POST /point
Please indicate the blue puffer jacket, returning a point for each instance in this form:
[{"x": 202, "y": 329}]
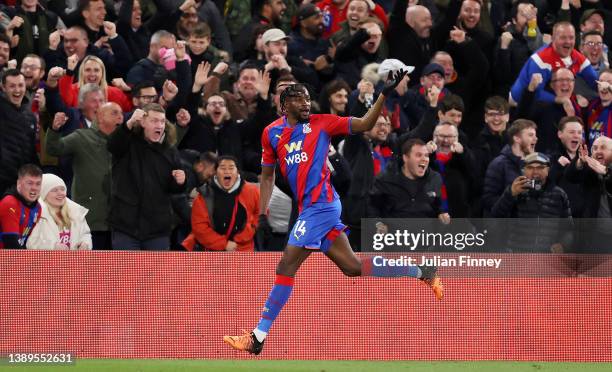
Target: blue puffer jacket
[{"x": 502, "y": 171}]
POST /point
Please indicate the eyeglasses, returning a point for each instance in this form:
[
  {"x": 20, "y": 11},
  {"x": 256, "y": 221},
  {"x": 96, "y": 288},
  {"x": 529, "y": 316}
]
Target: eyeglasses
[
  {"x": 562, "y": 81},
  {"x": 598, "y": 44},
  {"x": 216, "y": 103}
]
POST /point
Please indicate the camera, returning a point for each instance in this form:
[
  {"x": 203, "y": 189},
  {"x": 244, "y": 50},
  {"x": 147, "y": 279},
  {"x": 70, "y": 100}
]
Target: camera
[{"x": 535, "y": 184}]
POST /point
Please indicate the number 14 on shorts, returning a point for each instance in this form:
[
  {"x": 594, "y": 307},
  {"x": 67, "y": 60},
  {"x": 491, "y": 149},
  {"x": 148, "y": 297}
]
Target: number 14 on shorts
[{"x": 299, "y": 229}]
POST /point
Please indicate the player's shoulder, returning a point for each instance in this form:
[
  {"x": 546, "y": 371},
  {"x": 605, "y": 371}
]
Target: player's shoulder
[
  {"x": 324, "y": 120},
  {"x": 9, "y": 205},
  {"x": 275, "y": 125},
  {"x": 9, "y": 201},
  {"x": 317, "y": 118}
]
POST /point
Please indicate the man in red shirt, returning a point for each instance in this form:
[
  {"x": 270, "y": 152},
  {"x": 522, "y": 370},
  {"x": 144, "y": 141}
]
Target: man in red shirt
[
  {"x": 335, "y": 12},
  {"x": 19, "y": 209}
]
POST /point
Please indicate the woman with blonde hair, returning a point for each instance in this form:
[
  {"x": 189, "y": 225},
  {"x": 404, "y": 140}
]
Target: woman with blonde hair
[
  {"x": 91, "y": 71},
  {"x": 62, "y": 223}
]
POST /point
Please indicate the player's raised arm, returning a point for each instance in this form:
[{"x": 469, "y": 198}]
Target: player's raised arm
[{"x": 367, "y": 121}]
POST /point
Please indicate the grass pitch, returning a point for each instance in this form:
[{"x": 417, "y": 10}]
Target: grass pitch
[{"x": 188, "y": 365}]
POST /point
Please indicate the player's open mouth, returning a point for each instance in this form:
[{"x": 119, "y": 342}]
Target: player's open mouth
[
  {"x": 33, "y": 195},
  {"x": 599, "y": 157},
  {"x": 574, "y": 143},
  {"x": 423, "y": 166}
]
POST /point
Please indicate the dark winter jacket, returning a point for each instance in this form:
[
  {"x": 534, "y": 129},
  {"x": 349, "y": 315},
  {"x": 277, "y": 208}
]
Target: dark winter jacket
[
  {"x": 540, "y": 218},
  {"x": 593, "y": 185},
  {"x": 204, "y": 136},
  {"x": 17, "y": 140},
  {"x": 396, "y": 196},
  {"x": 575, "y": 191},
  {"x": 502, "y": 171},
  {"x": 142, "y": 182}
]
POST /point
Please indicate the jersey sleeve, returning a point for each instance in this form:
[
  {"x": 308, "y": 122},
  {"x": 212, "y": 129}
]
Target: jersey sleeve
[
  {"x": 9, "y": 220},
  {"x": 337, "y": 125},
  {"x": 268, "y": 156}
]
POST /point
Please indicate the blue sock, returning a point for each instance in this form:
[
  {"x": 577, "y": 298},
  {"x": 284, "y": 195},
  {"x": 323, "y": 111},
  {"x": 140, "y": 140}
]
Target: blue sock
[
  {"x": 276, "y": 300},
  {"x": 368, "y": 268}
]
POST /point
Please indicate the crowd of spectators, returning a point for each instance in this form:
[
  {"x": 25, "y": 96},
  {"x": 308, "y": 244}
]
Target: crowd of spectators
[{"x": 136, "y": 124}]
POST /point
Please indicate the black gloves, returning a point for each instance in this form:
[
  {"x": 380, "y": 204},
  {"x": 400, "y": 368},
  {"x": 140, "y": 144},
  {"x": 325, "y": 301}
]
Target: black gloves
[{"x": 393, "y": 81}]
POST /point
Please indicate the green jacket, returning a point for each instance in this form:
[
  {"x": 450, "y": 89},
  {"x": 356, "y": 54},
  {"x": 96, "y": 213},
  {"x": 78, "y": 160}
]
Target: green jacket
[{"x": 92, "y": 170}]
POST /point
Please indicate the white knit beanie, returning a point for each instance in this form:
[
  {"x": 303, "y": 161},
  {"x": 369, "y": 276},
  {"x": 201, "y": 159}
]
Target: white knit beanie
[{"x": 50, "y": 181}]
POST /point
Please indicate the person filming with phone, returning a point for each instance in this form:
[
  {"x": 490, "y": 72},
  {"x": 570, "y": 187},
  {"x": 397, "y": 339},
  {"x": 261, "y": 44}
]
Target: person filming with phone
[{"x": 542, "y": 210}]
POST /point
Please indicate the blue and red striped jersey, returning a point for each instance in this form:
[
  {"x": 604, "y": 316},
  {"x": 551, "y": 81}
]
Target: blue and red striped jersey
[{"x": 301, "y": 151}]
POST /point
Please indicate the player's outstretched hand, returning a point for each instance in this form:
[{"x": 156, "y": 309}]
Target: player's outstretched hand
[{"x": 393, "y": 81}]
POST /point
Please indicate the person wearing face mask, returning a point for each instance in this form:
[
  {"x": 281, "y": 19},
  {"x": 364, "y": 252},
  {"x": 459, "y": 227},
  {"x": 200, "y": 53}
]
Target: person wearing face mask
[
  {"x": 224, "y": 214},
  {"x": 140, "y": 209},
  {"x": 541, "y": 209},
  {"x": 62, "y": 222}
]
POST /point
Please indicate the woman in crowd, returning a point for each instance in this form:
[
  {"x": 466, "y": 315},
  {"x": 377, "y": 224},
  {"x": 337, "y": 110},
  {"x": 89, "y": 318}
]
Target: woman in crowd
[
  {"x": 92, "y": 70},
  {"x": 62, "y": 223}
]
